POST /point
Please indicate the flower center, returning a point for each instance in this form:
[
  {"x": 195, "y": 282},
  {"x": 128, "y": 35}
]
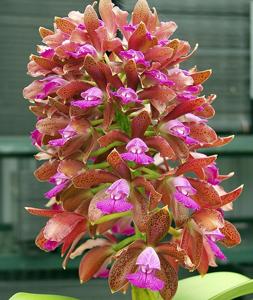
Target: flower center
[
  {"x": 117, "y": 196},
  {"x": 183, "y": 191},
  {"x": 89, "y": 98},
  {"x": 136, "y": 150},
  {"x": 179, "y": 130},
  {"x": 146, "y": 269}
]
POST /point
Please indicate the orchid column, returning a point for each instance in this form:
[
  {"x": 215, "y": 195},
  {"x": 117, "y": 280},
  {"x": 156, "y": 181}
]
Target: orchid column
[{"x": 119, "y": 126}]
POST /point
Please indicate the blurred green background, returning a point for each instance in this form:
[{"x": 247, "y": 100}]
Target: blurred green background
[{"x": 223, "y": 30}]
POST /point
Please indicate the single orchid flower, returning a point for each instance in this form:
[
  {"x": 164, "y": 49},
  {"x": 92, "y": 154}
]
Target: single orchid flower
[
  {"x": 178, "y": 129},
  {"x": 137, "y": 56},
  {"x": 212, "y": 173},
  {"x": 36, "y": 137},
  {"x": 145, "y": 277},
  {"x": 136, "y": 149},
  {"x": 41, "y": 89},
  {"x": 127, "y": 95},
  {"x": 91, "y": 97},
  {"x": 62, "y": 228},
  {"x": 67, "y": 133},
  {"x": 117, "y": 200},
  {"x": 61, "y": 181},
  {"x": 183, "y": 192},
  {"x": 47, "y": 52},
  {"x": 159, "y": 77},
  {"x": 50, "y": 85},
  {"x": 212, "y": 237},
  {"x": 82, "y": 51}
]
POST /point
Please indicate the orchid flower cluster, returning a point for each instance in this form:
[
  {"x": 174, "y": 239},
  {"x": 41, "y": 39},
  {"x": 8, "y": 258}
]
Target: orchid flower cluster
[{"x": 119, "y": 125}]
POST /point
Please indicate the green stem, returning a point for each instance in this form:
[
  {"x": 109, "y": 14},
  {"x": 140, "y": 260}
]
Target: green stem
[
  {"x": 105, "y": 149},
  {"x": 149, "y": 133},
  {"x": 99, "y": 188},
  {"x": 96, "y": 122},
  {"x": 173, "y": 231},
  {"x": 125, "y": 242},
  {"x": 102, "y": 165},
  {"x": 110, "y": 217},
  {"x": 150, "y": 172}
]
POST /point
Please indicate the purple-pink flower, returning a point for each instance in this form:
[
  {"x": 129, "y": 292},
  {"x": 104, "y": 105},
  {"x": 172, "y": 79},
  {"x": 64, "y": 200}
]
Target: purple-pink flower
[
  {"x": 148, "y": 264},
  {"x": 36, "y": 137},
  {"x": 91, "y": 97},
  {"x": 137, "y": 56},
  {"x": 190, "y": 93},
  {"x": 50, "y": 85},
  {"x": 178, "y": 129},
  {"x": 212, "y": 173},
  {"x": 67, "y": 133},
  {"x": 82, "y": 51},
  {"x": 183, "y": 192},
  {"x": 117, "y": 201},
  {"x": 159, "y": 77},
  {"x": 47, "y": 52},
  {"x": 61, "y": 181},
  {"x": 212, "y": 237},
  {"x": 136, "y": 149},
  {"x": 126, "y": 95}
]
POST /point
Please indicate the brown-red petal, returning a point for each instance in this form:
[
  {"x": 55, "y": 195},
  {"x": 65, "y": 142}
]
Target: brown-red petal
[
  {"x": 206, "y": 194},
  {"x": 64, "y": 25},
  {"x": 157, "y": 226},
  {"x": 140, "y": 209},
  {"x": 124, "y": 265},
  {"x": 48, "y": 213},
  {"x": 140, "y": 124},
  {"x": 131, "y": 74},
  {"x": 112, "y": 136},
  {"x": 202, "y": 133},
  {"x": 161, "y": 145},
  {"x": 200, "y": 77},
  {"x": 51, "y": 126},
  {"x": 169, "y": 277},
  {"x": 231, "y": 196},
  {"x": 184, "y": 108},
  {"x": 72, "y": 88},
  {"x": 93, "y": 69},
  {"x": 155, "y": 196},
  {"x": 232, "y": 236},
  {"x": 92, "y": 178},
  {"x": 92, "y": 262},
  {"x": 195, "y": 164},
  {"x": 119, "y": 165},
  {"x": 46, "y": 170},
  {"x": 141, "y": 12}
]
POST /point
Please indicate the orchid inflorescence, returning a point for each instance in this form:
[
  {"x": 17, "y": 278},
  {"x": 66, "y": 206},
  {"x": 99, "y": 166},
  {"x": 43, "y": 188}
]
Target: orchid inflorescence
[{"x": 119, "y": 124}]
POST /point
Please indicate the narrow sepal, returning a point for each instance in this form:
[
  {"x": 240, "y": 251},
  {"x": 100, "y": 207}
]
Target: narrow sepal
[{"x": 158, "y": 225}]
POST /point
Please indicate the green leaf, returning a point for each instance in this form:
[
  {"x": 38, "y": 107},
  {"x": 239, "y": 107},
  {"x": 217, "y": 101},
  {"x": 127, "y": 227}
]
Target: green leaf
[
  {"x": 138, "y": 294},
  {"x": 214, "y": 286},
  {"x": 112, "y": 217},
  {"x": 28, "y": 296},
  {"x": 123, "y": 121}
]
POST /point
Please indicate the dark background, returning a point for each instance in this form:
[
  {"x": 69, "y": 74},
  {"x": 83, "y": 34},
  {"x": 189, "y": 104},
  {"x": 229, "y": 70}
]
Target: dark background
[{"x": 221, "y": 27}]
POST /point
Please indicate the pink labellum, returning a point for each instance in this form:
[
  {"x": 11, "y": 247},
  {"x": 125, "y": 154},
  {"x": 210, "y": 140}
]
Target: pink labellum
[
  {"x": 91, "y": 97},
  {"x": 136, "y": 149},
  {"x": 148, "y": 262}
]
